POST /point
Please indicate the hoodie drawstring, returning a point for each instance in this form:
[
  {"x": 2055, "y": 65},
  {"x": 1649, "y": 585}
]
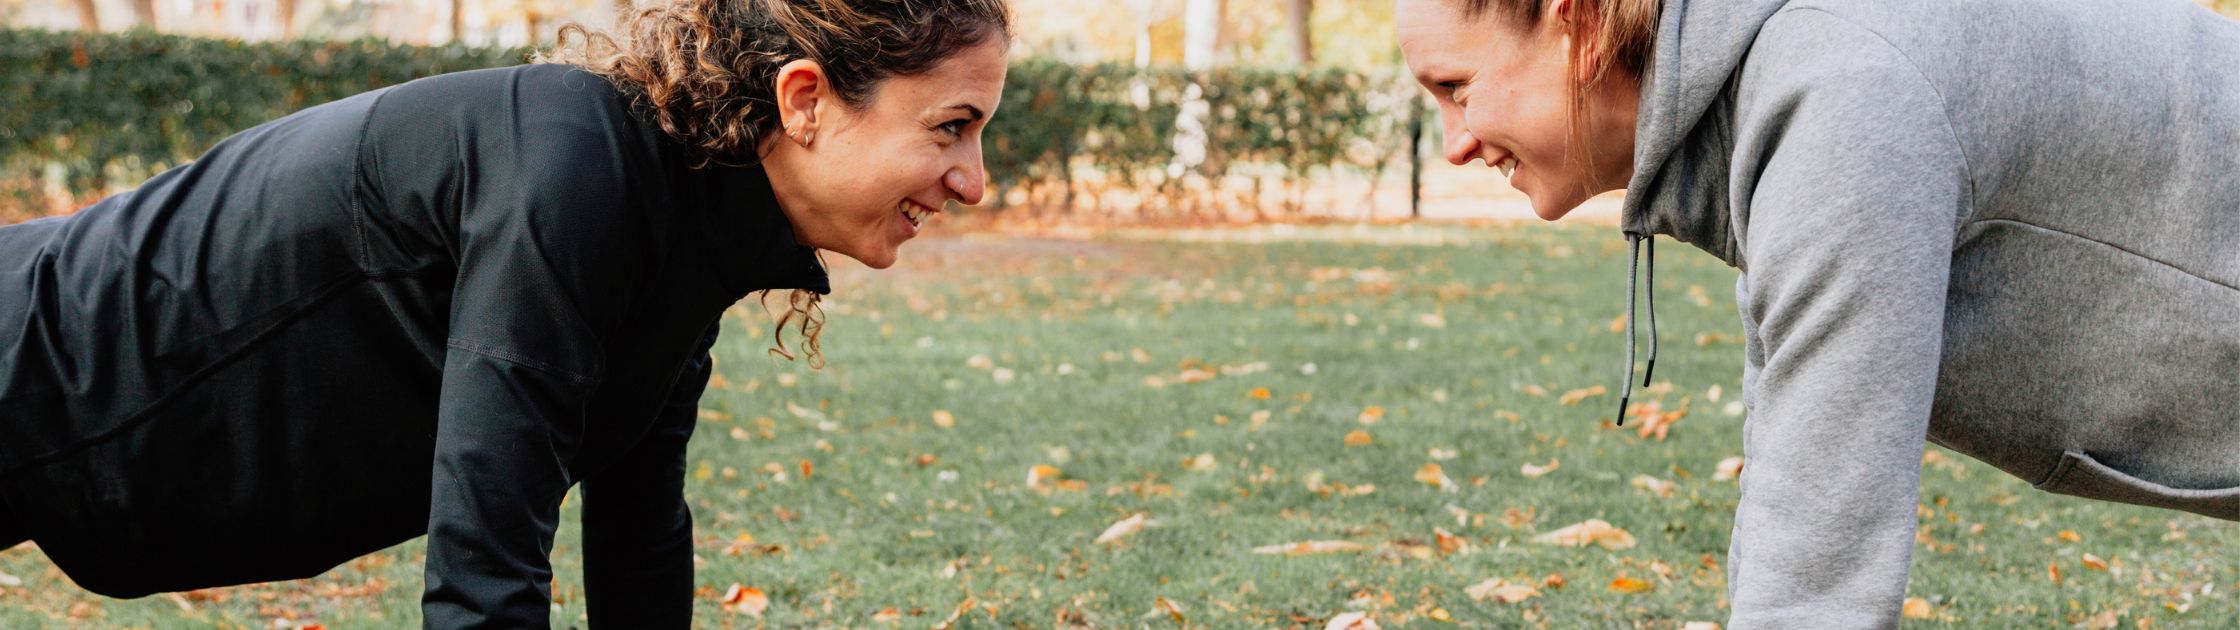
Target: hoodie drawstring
[{"x": 1625, "y": 396}]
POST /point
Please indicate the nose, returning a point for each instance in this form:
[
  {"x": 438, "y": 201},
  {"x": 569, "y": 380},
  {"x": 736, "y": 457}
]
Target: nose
[
  {"x": 1460, "y": 145},
  {"x": 967, "y": 182}
]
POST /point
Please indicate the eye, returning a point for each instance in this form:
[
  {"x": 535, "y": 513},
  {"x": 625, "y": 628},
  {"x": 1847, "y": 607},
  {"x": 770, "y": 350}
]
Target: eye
[{"x": 954, "y": 128}]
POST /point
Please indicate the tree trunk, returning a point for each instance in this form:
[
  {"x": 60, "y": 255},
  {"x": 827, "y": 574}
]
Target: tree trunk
[
  {"x": 1302, "y": 32},
  {"x": 88, "y": 19},
  {"x": 458, "y": 21},
  {"x": 143, "y": 13},
  {"x": 287, "y": 14},
  {"x": 1201, "y": 33}
]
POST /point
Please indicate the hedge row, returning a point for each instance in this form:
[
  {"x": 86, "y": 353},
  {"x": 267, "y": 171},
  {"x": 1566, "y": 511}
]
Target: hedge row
[{"x": 84, "y": 114}]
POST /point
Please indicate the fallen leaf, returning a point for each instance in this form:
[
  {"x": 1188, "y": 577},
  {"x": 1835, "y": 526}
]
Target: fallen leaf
[
  {"x": 1194, "y": 375},
  {"x": 1371, "y": 415},
  {"x": 2103, "y": 621},
  {"x": 1655, "y": 421},
  {"x": 746, "y": 599},
  {"x": 1352, "y": 621},
  {"x": 1918, "y": 608},
  {"x": 1574, "y": 396},
  {"x": 2070, "y": 535},
  {"x": 1310, "y": 547},
  {"x": 1357, "y": 438},
  {"x": 2053, "y": 571},
  {"x": 1591, "y": 532},
  {"x": 2095, "y": 563},
  {"x": 1202, "y": 462},
  {"x": 1172, "y": 610},
  {"x": 1432, "y": 320},
  {"x": 1500, "y": 590},
  {"x": 1258, "y": 393},
  {"x": 1653, "y": 485},
  {"x": 963, "y": 607},
  {"x": 1729, "y": 469},
  {"x": 1040, "y": 475},
  {"x": 1122, "y": 529},
  {"x": 1432, "y": 475},
  {"x": 1700, "y": 625},
  {"x": 1534, "y": 471},
  {"x": 887, "y": 615},
  {"x": 980, "y": 362},
  {"x": 944, "y": 419},
  {"x": 1449, "y": 543},
  {"x": 1631, "y": 586}
]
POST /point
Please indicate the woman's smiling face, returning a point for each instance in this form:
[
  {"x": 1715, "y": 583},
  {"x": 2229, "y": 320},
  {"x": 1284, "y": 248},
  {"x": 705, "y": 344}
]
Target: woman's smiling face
[
  {"x": 862, "y": 180},
  {"x": 1504, "y": 94}
]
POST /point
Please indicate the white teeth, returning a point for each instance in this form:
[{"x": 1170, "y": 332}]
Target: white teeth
[
  {"x": 1508, "y": 166},
  {"x": 911, "y": 212}
]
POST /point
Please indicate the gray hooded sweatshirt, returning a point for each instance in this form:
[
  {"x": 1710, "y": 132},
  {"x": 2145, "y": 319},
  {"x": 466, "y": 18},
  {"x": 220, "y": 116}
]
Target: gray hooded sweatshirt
[{"x": 2010, "y": 227}]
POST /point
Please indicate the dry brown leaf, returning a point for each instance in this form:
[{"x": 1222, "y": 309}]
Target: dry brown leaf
[
  {"x": 1202, "y": 462},
  {"x": 1591, "y": 532},
  {"x": 2053, "y": 571},
  {"x": 942, "y": 418},
  {"x": 2103, "y": 621},
  {"x": 1631, "y": 586},
  {"x": 1918, "y": 608},
  {"x": 1310, "y": 547},
  {"x": 1655, "y": 421},
  {"x": 1500, "y": 590},
  {"x": 1729, "y": 469},
  {"x": 963, "y": 607},
  {"x": 1534, "y": 471},
  {"x": 1121, "y": 529},
  {"x": 1171, "y": 609},
  {"x": 2070, "y": 535},
  {"x": 1357, "y": 438},
  {"x": 1653, "y": 485},
  {"x": 1700, "y": 625},
  {"x": 1574, "y": 396},
  {"x": 1194, "y": 375},
  {"x": 1259, "y": 393},
  {"x": 1040, "y": 475},
  {"x": 1352, "y": 621},
  {"x": 887, "y": 615},
  {"x": 1449, "y": 543},
  {"x": 1371, "y": 415}
]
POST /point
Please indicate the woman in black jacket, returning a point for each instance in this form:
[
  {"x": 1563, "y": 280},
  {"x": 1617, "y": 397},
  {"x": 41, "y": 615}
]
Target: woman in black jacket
[{"x": 431, "y": 309}]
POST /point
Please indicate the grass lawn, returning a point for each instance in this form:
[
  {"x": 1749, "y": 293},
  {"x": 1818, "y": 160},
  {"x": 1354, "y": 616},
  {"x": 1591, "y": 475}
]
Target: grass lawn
[{"x": 1252, "y": 388}]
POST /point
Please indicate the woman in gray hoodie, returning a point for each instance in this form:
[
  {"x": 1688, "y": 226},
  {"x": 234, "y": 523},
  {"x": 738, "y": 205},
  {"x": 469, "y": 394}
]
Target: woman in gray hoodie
[{"x": 2011, "y": 227}]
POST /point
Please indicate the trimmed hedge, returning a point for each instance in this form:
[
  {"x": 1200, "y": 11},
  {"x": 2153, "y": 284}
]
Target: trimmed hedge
[{"x": 90, "y": 113}]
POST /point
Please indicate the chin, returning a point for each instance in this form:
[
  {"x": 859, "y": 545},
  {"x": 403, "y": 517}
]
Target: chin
[
  {"x": 1553, "y": 209},
  {"x": 881, "y": 258}
]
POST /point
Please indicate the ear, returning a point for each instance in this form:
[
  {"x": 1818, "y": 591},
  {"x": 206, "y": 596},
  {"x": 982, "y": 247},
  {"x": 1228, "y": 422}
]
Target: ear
[
  {"x": 800, "y": 91},
  {"x": 1570, "y": 23}
]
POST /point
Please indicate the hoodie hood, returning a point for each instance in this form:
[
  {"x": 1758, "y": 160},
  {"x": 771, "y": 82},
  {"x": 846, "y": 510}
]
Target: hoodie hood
[{"x": 1682, "y": 141}]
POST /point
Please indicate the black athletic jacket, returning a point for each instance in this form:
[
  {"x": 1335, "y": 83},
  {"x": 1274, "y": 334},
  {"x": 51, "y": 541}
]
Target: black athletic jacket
[{"x": 429, "y": 309}]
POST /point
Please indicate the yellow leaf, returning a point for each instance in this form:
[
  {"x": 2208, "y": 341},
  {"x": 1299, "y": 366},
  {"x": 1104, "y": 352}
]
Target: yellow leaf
[
  {"x": 1574, "y": 396},
  {"x": 1700, "y": 625},
  {"x": 1918, "y": 608},
  {"x": 942, "y": 418},
  {"x": 1122, "y": 529},
  {"x": 2070, "y": 535},
  {"x": 1432, "y": 475},
  {"x": 1259, "y": 393},
  {"x": 1534, "y": 471},
  {"x": 746, "y": 599},
  {"x": 1357, "y": 438},
  {"x": 1372, "y": 414},
  {"x": 1631, "y": 586},
  {"x": 1310, "y": 547},
  {"x": 1500, "y": 590},
  {"x": 1440, "y": 614},
  {"x": 1591, "y": 532},
  {"x": 887, "y": 615},
  {"x": 1202, "y": 462}
]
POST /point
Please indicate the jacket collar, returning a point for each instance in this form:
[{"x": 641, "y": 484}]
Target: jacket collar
[{"x": 750, "y": 238}]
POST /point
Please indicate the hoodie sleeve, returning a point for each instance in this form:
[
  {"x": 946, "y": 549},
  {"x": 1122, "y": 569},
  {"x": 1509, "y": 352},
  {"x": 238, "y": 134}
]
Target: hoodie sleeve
[
  {"x": 550, "y": 253},
  {"x": 1847, "y": 251},
  {"x": 637, "y": 529}
]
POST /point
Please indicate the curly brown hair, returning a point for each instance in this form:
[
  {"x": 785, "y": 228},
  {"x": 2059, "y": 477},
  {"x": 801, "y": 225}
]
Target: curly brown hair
[{"x": 705, "y": 71}]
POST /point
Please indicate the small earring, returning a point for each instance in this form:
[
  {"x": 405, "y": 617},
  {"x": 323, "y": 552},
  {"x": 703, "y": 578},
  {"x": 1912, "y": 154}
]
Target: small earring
[{"x": 808, "y": 138}]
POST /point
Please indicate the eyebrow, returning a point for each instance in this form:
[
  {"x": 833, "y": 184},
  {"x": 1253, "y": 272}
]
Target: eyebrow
[{"x": 974, "y": 112}]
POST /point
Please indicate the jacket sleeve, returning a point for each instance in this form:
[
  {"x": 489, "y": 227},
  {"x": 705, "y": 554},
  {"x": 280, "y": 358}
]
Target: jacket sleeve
[
  {"x": 1847, "y": 253},
  {"x": 637, "y": 529},
  {"x": 550, "y": 254}
]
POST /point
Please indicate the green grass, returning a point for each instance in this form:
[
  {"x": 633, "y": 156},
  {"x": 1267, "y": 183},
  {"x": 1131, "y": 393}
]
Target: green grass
[{"x": 1083, "y": 326}]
